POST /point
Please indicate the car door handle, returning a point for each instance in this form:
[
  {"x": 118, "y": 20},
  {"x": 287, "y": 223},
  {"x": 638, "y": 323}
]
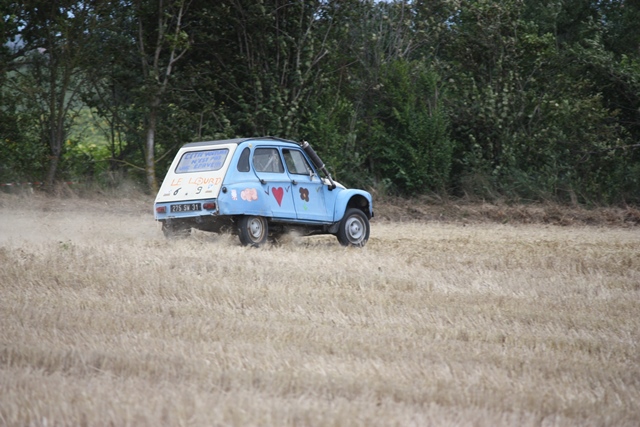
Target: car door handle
[{"x": 294, "y": 182}]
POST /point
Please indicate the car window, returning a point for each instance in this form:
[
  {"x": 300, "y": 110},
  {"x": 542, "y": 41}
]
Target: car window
[
  {"x": 202, "y": 161},
  {"x": 267, "y": 160},
  {"x": 296, "y": 163},
  {"x": 243, "y": 161}
]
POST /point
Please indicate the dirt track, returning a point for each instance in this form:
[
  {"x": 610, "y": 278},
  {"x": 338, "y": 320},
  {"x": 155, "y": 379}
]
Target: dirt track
[{"x": 474, "y": 212}]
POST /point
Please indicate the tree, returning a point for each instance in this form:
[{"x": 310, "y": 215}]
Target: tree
[
  {"x": 535, "y": 98},
  {"x": 265, "y": 66},
  {"x": 162, "y": 41},
  {"x": 378, "y": 117},
  {"x": 48, "y": 59},
  {"x": 416, "y": 152}
]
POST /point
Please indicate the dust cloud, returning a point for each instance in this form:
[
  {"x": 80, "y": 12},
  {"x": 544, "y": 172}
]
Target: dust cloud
[{"x": 41, "y": 219}]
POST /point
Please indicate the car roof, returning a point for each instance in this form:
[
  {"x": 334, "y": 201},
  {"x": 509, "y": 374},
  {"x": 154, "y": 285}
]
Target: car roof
[{"x": 237, "y": 141}]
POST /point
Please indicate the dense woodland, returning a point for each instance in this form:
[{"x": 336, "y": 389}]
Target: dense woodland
[{"x": 517, "y": 99}]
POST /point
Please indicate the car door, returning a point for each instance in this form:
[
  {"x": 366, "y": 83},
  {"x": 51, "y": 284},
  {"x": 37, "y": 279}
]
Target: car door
[
  {"x": 307, "y": 187},
  {"x": 276, "y": 183}
]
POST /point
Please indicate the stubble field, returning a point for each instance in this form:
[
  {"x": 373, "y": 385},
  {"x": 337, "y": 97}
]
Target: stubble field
[{"x": 103, "y": 322}]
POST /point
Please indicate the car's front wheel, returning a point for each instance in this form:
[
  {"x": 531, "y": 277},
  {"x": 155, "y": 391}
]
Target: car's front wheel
[
  {"x": 354, "y": 228},
  {"x": 253, "y": 230}
]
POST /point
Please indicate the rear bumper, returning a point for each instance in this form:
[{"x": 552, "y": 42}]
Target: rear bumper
[{"x": 185, "y": 209}]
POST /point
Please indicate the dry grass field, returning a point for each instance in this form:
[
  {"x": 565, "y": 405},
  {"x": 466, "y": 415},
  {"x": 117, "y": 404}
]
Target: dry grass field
[{"x": 462, "y": 323}]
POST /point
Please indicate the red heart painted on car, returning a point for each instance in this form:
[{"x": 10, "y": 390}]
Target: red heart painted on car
[{"x": 278, "y": 193}]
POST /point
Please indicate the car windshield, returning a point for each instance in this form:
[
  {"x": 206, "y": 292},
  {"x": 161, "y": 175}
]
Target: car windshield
[{"x": 202, "y": 161}]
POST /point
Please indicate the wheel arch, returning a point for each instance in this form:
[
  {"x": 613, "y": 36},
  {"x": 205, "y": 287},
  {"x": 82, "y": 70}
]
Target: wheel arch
[{"x": 356, "y": 199}]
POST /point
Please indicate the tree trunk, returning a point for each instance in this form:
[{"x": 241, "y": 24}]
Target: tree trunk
[
  {"x": 158, "y": 75},
  {"x": 56, "y": 138},
  {"x": 150, "y": 164},
  {"x": 54, "y": 159}
]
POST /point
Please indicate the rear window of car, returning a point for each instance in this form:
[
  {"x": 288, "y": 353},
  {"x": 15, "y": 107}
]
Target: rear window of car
[{"x": 202, "y": 161}]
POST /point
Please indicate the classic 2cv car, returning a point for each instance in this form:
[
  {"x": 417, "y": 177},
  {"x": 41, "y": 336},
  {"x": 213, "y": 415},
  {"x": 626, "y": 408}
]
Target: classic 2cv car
[{"x": 259, "y": 188}]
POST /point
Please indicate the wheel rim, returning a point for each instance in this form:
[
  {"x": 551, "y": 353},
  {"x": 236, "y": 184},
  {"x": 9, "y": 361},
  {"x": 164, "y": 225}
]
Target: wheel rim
[
  {"x": 355, "y": 229},
  {"x": 256, "y": 229}
]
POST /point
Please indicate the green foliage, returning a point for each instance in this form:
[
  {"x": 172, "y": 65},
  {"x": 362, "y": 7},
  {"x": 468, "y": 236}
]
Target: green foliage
[
  {"x": 532, "y": 121},
  {"x": 85, "y": 162},
  {"x": 22, "y": 155},
  {"x": 21, "y": 160},
  {"x": 411, "y": 145},
  {"x": 263, "y": 71},
  {"x": 330, "y": 128},
  {"x": 513, "y": 99}
]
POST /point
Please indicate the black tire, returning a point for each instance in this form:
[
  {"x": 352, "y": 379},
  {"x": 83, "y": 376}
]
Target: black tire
[
  {"x": 253, "y": 230},
  {"x": 354, "y": 228},
  {"x": 175, "y": 231}
]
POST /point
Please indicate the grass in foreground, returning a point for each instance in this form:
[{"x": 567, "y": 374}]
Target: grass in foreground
[{"x": 102, "y": 322}]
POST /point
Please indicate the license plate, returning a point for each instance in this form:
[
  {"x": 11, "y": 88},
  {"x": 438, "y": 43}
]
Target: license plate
[{"x": 188, "y": 207}]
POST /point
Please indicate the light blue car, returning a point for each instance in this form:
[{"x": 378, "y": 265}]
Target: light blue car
[{"x": 259, "y": 188}]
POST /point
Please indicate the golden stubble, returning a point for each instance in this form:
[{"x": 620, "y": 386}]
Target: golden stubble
[{"x": 103, "y": 322}]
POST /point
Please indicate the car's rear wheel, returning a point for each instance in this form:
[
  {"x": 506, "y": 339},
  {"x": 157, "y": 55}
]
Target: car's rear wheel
[
  {"x": 354, "y": 228},
  {"x": 253, "y": 230}
]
